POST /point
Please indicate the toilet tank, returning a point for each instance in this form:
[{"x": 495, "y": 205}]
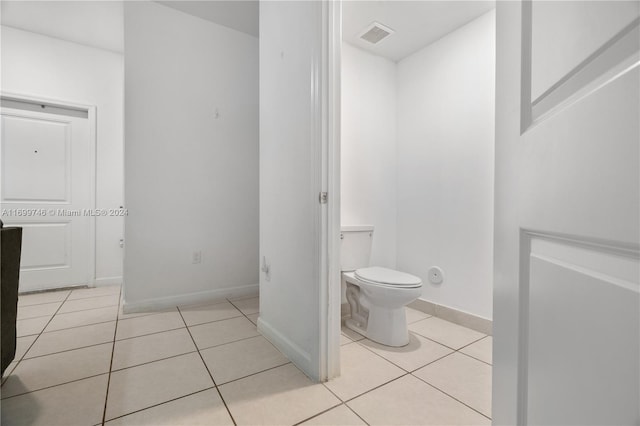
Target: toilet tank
[{"x": 355, "y": 247}]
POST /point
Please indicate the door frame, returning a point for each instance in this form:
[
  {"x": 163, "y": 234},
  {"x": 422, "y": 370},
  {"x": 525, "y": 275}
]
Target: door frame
[
  {"x": 330, "y": 290},
  {"x": 93, "y": 140}
]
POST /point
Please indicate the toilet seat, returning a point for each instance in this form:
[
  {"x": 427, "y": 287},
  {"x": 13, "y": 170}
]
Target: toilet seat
[{"x": 387, "y": 277}]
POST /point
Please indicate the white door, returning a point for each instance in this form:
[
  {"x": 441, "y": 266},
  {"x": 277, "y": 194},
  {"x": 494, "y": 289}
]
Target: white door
[
  {"x": 46, "y": 189},
  {"x": 566, "y": 297},
  {"x": 299, "y": 312}
]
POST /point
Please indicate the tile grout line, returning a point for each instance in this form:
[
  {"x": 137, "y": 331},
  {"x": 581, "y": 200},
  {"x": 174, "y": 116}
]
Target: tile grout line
[
  {"x": 471, "y": 356},
  {"x": 125, "y": 368},
  {"x": 143, "y": 314},
  {"x": 209, "y": 322},
  {"x": 113, "y": 349},
  {"x": 446, "y": 346},
  {"x": 380, "y": 356},
  {"x": 451, "y": 396},
  {"x": 54, "y": 386},
  {"x": 191, "y": 352},
  {"x": 411, "y": 373},
  {"x": 376, "y": 387},
  {"x": 216, "y": 386},
  {"x": 88, "y": 309},
  {"x": 151, "y": 362},
  {"x": 77, "y": 326},
  {"x": 162, "y": 403},
  {"x": 99, "y": 374},
  {"x": 243, "y": 314},
  {"x": 354, "y": 412},
  {"x": 170, "y": 329},
  {"x": 66, "y": 350},
  {"x": 227, "y": 343},
  {"x": 37, "y": 336},
  {"x": 149, "y": 334},
  {"x": 147, "y": 362},
  {"x": 318, "y": 414},
  {"x": 477, "y": 359},
  {"x": 424, "y": 381},
  {"x": 207, "y": 368},
  {"x": 56, "y": 290},
  {"x": 38, "y": 316},
  {"x": 343, "y": 403},
  {"x": 93, "y": 297},
  {"x": 259, "y": 335},
  {"x": 43, "y": 292},
  {"x": 258, "y": 372},
  {"x": 429, "y": 363},
  {"x": 402, "y": 368},
  {"x": 471, "y": 343}
]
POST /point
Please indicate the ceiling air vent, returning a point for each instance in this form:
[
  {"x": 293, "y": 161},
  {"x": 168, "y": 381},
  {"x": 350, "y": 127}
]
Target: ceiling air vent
[{"x": 375, "y": 33}]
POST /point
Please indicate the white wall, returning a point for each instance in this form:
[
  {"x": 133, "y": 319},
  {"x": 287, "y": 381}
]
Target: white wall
[
  {"x": 97, "y": 23},
  {"x": 368, "y": 149},
  {"x": 445, "y": 165},
  {"x": 191, "y": 178},
  {"x": 41, "y": 66}
]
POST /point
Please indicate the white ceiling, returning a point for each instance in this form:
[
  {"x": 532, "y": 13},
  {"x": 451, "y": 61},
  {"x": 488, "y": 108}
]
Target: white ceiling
[
  {"x": 416, "y": 23},
  {"x": 241, "y": 15},
  {"x": 101, "y": 23},
  {"x": 93, "y": 23}
]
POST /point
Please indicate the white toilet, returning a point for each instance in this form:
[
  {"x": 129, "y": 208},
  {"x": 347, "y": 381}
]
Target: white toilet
[{"x": 377, "y": 296}]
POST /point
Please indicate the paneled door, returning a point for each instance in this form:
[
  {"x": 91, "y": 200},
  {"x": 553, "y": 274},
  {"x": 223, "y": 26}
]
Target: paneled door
[
  {"x": 47, "y": 190},
  {"x": 566, "y": 296}
]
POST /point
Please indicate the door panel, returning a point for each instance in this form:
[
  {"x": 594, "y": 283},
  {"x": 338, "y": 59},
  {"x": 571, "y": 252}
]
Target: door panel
[
  {"x": 558, "y": 44},
  {"x": 567, "y": 246},
  {"x": 574, "y": 356},
  {"x": 36, "y": 144},
  {"x": 46, "y": 245},
  {"x": 46, "y": 189}
]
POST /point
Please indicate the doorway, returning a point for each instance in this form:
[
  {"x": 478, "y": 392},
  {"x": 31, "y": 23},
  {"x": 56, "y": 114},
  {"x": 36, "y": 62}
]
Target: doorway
[{"x": 418, "y": 187}]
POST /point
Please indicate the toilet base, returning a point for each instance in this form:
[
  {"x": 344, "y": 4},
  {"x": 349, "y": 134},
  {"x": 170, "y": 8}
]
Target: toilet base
[
  {"x": 385, "y": 326},
  {"x": 355, "y": 326}
]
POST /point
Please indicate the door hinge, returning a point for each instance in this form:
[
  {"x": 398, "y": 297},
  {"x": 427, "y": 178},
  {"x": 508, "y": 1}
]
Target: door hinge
[{"x": 324, "y": 196}]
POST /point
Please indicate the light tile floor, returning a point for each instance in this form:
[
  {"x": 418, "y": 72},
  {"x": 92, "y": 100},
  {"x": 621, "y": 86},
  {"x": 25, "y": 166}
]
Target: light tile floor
[{"x": 81, "y": 361}]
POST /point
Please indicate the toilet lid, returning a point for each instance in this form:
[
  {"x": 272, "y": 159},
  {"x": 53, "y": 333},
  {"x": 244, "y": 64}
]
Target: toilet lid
[{"x": 378, "y": 275}]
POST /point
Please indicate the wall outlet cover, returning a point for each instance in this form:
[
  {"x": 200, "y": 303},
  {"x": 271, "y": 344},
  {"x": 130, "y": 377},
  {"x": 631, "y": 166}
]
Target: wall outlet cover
[{"x": 436, "y": 276}]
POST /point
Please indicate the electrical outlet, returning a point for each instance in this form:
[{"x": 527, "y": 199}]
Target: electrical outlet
[{"x": 197, "y": 257}]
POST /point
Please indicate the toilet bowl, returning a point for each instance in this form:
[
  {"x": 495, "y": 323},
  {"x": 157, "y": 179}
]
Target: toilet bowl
[{"x": 377, "y": 296}]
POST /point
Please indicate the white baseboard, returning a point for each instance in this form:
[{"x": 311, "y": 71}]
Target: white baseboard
[
  {"x": 108, "y": 281},
  {"x": 160, "y": 303},
  {"x": 295, "y": 353},
  {"x": 465, "y": 319}
]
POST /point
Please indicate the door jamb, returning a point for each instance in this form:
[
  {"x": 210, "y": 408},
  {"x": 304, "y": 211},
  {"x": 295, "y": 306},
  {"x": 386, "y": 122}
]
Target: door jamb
[{"x": 330, "y": 297}]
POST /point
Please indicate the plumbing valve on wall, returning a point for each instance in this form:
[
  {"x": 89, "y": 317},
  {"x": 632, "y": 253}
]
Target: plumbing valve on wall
[{"x": 436, "y": 276}]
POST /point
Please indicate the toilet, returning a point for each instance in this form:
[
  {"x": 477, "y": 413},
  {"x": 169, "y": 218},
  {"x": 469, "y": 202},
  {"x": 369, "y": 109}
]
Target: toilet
[{"x": 377, "y": 296}]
